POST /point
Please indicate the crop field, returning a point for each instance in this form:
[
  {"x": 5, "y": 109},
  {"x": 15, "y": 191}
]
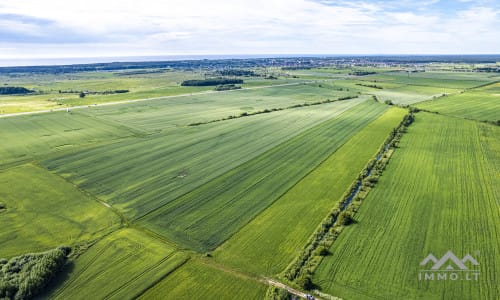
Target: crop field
[
  {"x": 173, "y": 164},
  {"x": 439, "y": 194},
  {"x": 29, "y": 137},
  {"x": 168, "y": 113},
  {"x": 44, "y": 211},
  {"x": 208, "y": 215},
  {"x": 270, "y": 241},
  {"x": 140, "y": 86},
  {"x": 196, "y": 280},
  {"x": 122, "y": 265},
  {"x": 198, "y": 192},
  {"x": 480, "y": 104},
  {"x": 452, "y": 80}
]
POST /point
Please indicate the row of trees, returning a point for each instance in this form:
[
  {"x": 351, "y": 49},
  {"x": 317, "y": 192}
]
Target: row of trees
[{"x": 23, "y": 277}]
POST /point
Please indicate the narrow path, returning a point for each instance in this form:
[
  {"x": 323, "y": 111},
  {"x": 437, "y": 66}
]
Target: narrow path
[{"x": 147, "y": 99}]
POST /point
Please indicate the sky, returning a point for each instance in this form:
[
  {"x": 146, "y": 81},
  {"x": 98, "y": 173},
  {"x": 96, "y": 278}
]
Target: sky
[{"x": 96, "y": 28}]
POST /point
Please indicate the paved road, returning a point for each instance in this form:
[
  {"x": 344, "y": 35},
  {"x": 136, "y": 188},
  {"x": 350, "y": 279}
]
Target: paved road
[{"x": 145, "y": 99}]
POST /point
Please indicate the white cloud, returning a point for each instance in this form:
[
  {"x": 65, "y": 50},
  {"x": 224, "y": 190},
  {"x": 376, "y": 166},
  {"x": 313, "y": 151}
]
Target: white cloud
[{"x": 129, "y": 27}]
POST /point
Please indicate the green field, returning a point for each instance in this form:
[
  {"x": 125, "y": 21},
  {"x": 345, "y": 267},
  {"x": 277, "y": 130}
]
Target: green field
[
  {"x": 438, "y": 193},
  {"x": 271, "y": 241},
  {"x": 197, "y": 280},
  {"x": 208, "y": 215},
  {"x": 479, "y": 104},
  {"x": 27, "y": 137},
  {"x": 172, "y": 164},
  {"x": 409, "y": 88},
  {"x": 121, "y": 266},
  {"x": 169, "y": 113},
  {"x": 44, "y": 211},
  {"x": 141, "y": 86},
  {"x": 198, "y": 194}
]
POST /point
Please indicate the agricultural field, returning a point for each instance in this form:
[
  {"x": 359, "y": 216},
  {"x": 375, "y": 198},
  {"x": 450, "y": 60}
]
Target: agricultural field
[
  {"x": 198, "y": 280},
  {"x": 208, "y": 215},
  {"x": 54, "y": 91},
  {"x": 481, "y": 104},
  {"x": 121, "y": 265},
  {"x": 270, "y": 241},
  {"x": 169, "y": 191},
  {"x": 172, "y": 164},
  {"x": 446, "y": 201},
  {"x": 44, "y": 211},
  {"x": 27, "y": 137}
]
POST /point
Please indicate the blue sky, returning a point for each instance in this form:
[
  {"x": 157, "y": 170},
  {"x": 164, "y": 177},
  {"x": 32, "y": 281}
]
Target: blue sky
[{"x": 91, "y": 28}]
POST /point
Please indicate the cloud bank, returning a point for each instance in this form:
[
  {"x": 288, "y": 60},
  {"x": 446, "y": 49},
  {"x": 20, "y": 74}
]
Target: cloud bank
[{"x": 57, "y": 28}]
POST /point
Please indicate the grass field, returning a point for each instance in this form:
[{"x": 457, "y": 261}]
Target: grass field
[
  {"x": 438, "y": 193},
  {"x": 277, "y": 235},
  {"x": 28, "y": 137},
  {"x": 44, "y": 211},
  {"x": 197, "y": 280},
  {"x": 480, "y": 104},
  {"x": 121, "y": 266},
  {"x": 172, "y": 164},
  {"x": 208, "y": 215}
]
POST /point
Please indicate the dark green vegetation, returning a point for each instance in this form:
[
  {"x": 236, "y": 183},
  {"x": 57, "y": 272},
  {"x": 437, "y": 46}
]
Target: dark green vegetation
[
  {"x": 23, "y": 277},
  {"x": 13, "y": 90},
  {"x": 190, "y": 193},
  {"x": 213, "y": 81}
]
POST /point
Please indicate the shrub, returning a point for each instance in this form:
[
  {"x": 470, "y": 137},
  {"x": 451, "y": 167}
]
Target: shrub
[{"x": 23, "y": 277}]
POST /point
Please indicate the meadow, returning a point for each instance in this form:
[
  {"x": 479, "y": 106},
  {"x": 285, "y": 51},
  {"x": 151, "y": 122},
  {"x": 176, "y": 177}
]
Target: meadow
[{"x": 438, "y": 193}]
